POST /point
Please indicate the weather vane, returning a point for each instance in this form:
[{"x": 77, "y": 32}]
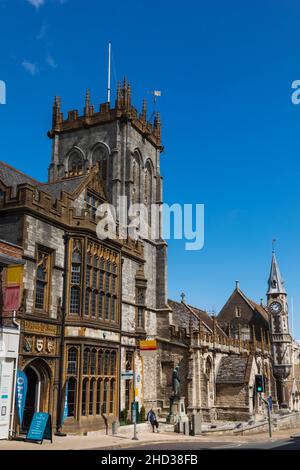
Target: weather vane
[{"x": 155, "y": 94}]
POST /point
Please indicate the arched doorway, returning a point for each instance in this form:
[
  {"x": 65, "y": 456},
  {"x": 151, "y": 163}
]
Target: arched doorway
[{"x": 37, "y": 398}]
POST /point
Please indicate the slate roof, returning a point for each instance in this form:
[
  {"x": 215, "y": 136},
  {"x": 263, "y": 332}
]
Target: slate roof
[
  {"x": 260, "y": 309},
  {"x": 181, "y": 316},
  {"x": 232, "y": 370},
  {"x": 207, "y": 319},
  {"x": 69, "y": 185},
  {"x": 12, "y": 177}
]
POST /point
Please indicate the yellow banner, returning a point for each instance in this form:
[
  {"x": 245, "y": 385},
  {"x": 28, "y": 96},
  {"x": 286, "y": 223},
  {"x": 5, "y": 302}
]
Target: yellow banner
[{"x": 14, "y": 275}]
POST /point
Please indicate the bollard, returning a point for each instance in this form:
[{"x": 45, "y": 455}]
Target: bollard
[{"x": 114, "y": 427}]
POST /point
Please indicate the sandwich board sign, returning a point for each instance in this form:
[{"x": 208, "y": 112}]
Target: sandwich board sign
[{"x": 40, "y": 428}]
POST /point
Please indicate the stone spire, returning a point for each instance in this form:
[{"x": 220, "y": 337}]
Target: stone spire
[{"x": 275, "y": 282}]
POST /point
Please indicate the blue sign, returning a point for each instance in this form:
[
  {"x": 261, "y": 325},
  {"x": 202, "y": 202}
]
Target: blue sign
[
  {"x": 65, "y": 415},
  {"x": 21, "y": 392},
  {"x": 40, "y": 427}
]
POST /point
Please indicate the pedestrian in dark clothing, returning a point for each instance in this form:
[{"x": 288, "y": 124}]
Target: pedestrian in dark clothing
[
  {"x": 270, "y": 403},
  {"x": 151, "y": 417}
]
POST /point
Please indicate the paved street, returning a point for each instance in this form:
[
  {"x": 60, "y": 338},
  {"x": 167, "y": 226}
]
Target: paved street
[{"x": 280, "y": 444}]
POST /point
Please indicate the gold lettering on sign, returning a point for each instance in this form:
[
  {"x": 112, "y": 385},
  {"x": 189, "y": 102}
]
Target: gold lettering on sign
[{"x": 36, "y": 327}]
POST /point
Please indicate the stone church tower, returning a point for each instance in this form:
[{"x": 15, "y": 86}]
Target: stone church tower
[
  {"x": 280, "y": 337},
  {"x": 127, "y": 148}
]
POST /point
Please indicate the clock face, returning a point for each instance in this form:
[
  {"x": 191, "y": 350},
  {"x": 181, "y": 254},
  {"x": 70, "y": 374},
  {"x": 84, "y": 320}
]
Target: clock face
[{"x": 275, "y": 307}]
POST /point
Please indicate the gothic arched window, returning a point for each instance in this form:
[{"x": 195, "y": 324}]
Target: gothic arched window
[
  {"x": 75, "y": 162},
  {"x": 75, "y": 278},
  {"x": 42, "y": 284},
  {"x": 86, "y": 361},
  {"x": 148, "y": 190},
  {"x": 100, "y": 155},
  {"x": 136, "y": 178},
  {"x": 71, "y": 396},
  {"x": 148, "y": 185}
]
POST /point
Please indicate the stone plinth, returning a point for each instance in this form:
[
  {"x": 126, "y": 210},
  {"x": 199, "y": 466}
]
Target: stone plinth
[{"x": 177, "y": 414}]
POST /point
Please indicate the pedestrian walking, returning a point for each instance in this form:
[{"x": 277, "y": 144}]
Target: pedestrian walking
[
  {"x": 151, "y": 417},
  {"x": 270, "y": 403}
]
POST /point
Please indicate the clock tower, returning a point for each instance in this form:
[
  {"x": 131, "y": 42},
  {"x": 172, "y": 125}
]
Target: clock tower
[{"x": 279, "y": 328}]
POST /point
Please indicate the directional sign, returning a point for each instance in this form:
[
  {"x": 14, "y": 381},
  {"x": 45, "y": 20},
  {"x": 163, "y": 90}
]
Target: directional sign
[{"x": 126, "y": 374}]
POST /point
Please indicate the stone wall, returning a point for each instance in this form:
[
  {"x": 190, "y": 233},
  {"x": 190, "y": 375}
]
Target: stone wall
[{"x": 232, "y": 402}]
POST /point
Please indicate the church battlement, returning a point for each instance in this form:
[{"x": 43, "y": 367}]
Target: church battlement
[
  {"x": 201, "y": 339},
  {"x": 123, "y": 111}
]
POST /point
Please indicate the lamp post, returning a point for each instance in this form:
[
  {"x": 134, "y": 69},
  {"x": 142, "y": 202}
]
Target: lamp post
[
  {"x": 62, "y": 343},
  {"x": 135, "y": 438}
]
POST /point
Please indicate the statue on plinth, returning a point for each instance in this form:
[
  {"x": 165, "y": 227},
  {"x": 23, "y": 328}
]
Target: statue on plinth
[
  {"x": 177, "y": 414},
  {"x": 176, "y": 381}
]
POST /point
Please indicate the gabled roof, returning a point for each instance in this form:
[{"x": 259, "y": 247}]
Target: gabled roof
[
  {"x": 259, "y": 309},
  {"x": 10, "y": 176}
]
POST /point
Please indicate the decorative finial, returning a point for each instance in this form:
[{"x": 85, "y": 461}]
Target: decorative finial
[
  {"x": 119, "y": 95},
  {"x": 87, "y": 102},
  {"x": 158, "y": 119},
  {"x": 119, "y": 89},
  {"x": 182, "y": 295},
  {"x": 273, "y": 245},
  {"x": 237, "y": 284},
  {"x": 57, "y": 101},
  {"x": 144, "y": 110},
  {"x": 128, "y": 97},
  {"x": 56, "y": 117}
]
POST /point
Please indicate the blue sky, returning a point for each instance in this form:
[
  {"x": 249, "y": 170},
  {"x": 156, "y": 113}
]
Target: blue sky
[{"x": 230, "y": 130}]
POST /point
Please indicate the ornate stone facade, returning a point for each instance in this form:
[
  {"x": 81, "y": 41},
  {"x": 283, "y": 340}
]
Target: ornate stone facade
[{"x": 88, "y": 302}]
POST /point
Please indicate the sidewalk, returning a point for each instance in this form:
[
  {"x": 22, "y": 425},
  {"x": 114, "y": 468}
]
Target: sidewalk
[
  {"x": 97, "y": 440},
  {"x": 123, "y": 440}
]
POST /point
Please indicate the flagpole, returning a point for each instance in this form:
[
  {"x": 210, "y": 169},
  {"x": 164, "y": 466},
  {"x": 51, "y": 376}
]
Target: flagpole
[
  {"x": 108, "y": 72},
  {"x": 292, "y": 305}
]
